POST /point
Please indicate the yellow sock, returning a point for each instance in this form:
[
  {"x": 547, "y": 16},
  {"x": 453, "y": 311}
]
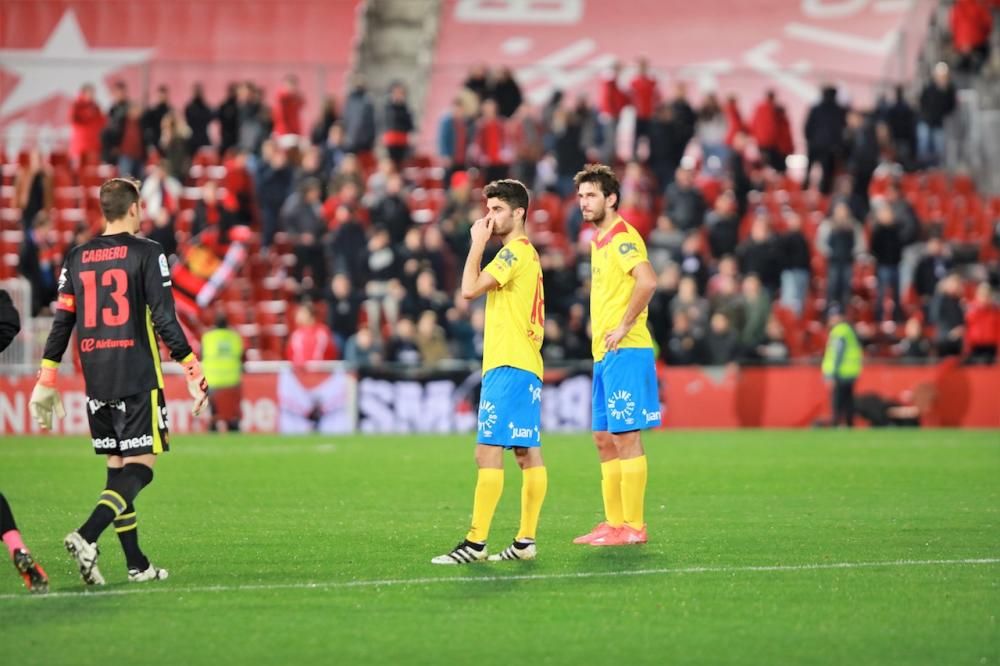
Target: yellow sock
[
  {"x": 611, "y": 489},
  {"x": 634, "y": 490},
  {"x": 489, "y": 487},
  {"x": 534, "y": 483}
]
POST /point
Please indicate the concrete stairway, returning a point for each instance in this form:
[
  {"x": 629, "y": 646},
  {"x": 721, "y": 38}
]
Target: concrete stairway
[{"x": 397, "y": 44}]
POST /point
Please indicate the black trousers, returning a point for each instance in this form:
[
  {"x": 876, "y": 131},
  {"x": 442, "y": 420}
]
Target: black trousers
[
  {"x": 826, "y": 158},
  {"x": 843, "y": 402},
  {"x": 311, "y": 257},
  {"x": 983, "y": 354}
]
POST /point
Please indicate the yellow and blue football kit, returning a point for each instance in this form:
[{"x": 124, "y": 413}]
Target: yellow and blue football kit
[
  {"x": 510, "y": 405},
  {"x": 625, "y": 391},
  {"x": 511, "y": 397}
]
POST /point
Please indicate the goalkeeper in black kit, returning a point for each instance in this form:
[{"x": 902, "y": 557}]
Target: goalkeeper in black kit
[{"x": 114, "y": 292}]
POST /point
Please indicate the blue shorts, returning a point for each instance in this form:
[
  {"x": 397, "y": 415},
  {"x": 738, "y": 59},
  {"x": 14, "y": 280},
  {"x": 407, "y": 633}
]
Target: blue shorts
[
  {"x": 625, "y": 392},
  {"x": 510, "y": 408}
]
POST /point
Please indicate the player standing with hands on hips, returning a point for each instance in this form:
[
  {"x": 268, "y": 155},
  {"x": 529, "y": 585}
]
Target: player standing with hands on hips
[
  {"x": 625, "y": 397},
  {"x": 114, "y": 291}
]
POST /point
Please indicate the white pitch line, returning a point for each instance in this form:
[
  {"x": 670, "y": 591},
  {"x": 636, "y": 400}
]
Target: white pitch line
[{"x": 395, "y": 582}]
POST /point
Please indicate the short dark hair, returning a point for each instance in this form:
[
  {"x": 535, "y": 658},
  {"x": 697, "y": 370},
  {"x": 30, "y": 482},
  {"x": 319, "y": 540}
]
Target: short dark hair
[
  {"x": 511, "y": 192},
  {"x": 604, "y": 177},
  {"x": 117, "y": 196}
]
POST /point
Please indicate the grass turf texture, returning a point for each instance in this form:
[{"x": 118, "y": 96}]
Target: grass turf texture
[{"x": 275, "y": 514}]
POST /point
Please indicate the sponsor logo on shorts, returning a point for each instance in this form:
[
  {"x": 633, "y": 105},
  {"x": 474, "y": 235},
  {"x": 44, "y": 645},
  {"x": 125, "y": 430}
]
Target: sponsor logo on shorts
[
  {"x": 651, "y": 416},
  {"x": 487, "y": 417},
  {"x": 522, "y": 433},
  {"x": 621, "y": 406},
  {"x": 136, "y": 443},
  {"x": 88, "y": 345},
  {"x": 104, "y": 443},
  {"x": 536, "y": 393},
  {"x": 94, "y": 405}
]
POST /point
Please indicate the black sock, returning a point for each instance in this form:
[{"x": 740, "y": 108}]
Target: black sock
[
  {"x": 6, "y": 517},
  {"x": 128, "y": 534},
  {"x": 127, "y": 528},
  {"x": 122, "y": 488}
]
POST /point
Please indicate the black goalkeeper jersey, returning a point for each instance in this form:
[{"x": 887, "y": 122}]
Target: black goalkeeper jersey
[{"x": 115, "y": 291}]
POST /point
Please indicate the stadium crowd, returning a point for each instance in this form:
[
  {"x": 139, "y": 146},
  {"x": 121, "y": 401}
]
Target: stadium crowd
[{"x": 369, "y": 237}]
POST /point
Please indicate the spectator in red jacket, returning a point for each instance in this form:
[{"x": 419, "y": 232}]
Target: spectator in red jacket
[
  {"x": 786, "y": 146},
  {"x": 311, "y": 340},
  {"x": 971, "y": 24},
  {"x": 238, "y": 183},
  {"x": 33, "y": 188},
  {"x": 734, "y": 120},
  {"x": 639, "y": 217},
  {"x": 86, "y": 123},
  {"x": 765, "y": 126},
  {"x": 610, "y": 103},
  {"x": 491, "y": 143},
  {"x": 645, "y": 97},
  {"x": 982, "y": 326},
  {"x": 286, "y": 114},
  {"x": 132, "y": 150}
]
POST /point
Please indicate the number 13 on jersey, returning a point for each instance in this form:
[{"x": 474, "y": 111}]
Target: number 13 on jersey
[{"x": 118, "y": 314}]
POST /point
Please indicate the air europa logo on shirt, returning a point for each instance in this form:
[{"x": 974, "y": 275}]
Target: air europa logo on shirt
[{"x": 88, "y": 345}]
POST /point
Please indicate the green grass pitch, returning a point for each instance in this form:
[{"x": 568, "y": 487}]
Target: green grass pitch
[{"x": 766, "y": 547}]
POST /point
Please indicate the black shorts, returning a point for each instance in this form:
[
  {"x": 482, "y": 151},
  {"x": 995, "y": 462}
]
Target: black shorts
[{"x": 132, "y": 426}]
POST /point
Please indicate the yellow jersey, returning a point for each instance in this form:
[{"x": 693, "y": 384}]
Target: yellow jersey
[
  {"x": 613, "y": 255},
  {"x": 515, "y": 310}
]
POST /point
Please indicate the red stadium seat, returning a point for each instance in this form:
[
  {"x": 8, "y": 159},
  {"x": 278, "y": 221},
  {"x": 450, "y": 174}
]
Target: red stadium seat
[
  {"x": 963, "y": 184},
  {"x": 794, "y": 333},
  {"x": 937, "y": 182}
]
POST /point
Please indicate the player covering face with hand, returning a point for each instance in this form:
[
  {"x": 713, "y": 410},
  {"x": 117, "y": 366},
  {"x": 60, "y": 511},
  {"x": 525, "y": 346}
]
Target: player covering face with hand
[
  {"x": 115, "y": 294},
  {"x": 510, "y": 401}
]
